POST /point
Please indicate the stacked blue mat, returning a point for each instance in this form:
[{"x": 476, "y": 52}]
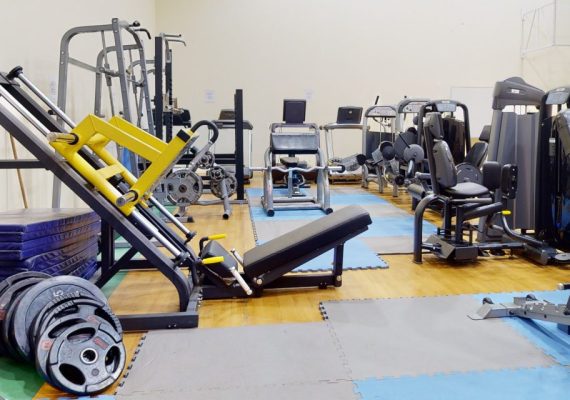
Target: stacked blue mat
[{"x": 54, "y": 241}]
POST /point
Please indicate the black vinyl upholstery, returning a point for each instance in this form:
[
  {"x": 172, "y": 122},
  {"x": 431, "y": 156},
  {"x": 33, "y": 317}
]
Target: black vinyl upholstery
[
  {"x": 466, "y": 190},
  {"x": 292, "y": 248}
]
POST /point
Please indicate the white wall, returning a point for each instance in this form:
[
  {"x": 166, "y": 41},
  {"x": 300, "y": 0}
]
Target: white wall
[
  {"x": 337, "y": 52},
  {"x": 30, "y": 34},
  {"x": 547, "y": 68},
  {"x": 334, "y": 52}
]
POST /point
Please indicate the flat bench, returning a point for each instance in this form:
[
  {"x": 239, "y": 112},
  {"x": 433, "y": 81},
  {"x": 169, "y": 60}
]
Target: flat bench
[
  {"x": 267, "y": 266},
  {"x": 273, "y": 259}
]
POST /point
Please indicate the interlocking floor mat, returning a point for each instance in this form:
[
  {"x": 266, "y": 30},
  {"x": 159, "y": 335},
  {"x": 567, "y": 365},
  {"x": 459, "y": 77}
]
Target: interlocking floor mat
[
  {"x": 545, "y": 335},
  {"x": 520, "y": 384},
  {"x": 267, "y": 361},
  {"x": 430, "y": 335},
  {"x": 390, "y": 232}
]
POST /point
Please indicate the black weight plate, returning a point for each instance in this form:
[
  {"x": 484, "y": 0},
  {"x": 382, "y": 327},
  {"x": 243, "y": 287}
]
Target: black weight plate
[
  {"x": 9, "y": 281},
  {"x": 8, "y": 301},
  {"x": 86, "y": 358},
  {"x": 34, "y": 331},
  {"x": 72, "y": 305},
  {"x": 32, "y": 302},
  {"x": 45, "y": 341}
]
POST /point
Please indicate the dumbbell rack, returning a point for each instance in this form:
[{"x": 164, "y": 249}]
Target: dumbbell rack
[{"x": 136, "y": 230}]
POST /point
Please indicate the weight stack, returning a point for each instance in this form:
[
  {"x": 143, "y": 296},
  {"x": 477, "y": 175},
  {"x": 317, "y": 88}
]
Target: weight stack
[{"x": 53, "y": 241}]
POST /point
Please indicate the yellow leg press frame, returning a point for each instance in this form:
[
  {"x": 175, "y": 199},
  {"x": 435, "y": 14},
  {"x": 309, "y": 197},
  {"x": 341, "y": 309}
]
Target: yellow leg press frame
[{"x": 95, "y": 133}]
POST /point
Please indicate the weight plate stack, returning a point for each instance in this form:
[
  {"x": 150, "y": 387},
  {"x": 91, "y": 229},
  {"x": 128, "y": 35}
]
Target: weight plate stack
[{"x": 64, "y": 325}]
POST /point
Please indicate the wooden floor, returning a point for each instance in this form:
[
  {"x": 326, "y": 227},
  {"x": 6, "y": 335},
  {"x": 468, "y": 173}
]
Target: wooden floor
[{"x": 148, "y": 291}]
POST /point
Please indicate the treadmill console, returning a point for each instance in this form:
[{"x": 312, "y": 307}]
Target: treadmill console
[
  {"x": 446, "y": 106},
  {"x": 413, "y": 107},
  {"x": 382, "y": 112}
]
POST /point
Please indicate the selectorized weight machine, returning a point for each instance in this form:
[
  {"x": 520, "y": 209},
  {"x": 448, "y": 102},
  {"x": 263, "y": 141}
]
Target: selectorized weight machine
[
  {"x": 289, "y": 139},
  {"x": 124, "y": 203},
  {"x": 391, "y": 153}
]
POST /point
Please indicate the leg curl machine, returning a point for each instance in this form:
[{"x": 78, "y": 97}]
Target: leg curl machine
[
  {"x": 289, "y": 139},
  {"x": 464, "y": 200}
]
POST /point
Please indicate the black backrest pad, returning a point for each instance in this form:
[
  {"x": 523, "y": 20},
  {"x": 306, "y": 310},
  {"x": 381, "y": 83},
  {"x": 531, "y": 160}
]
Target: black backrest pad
[
  {"x": 454, "y": 135},
  {"x": 445, "y": 171},
  {"x": 296, "y": 244},
  {"x": 477, "y": 154}
]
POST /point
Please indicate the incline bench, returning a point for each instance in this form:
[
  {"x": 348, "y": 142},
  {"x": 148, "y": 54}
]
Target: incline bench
[{"x": 265, "y": 266}]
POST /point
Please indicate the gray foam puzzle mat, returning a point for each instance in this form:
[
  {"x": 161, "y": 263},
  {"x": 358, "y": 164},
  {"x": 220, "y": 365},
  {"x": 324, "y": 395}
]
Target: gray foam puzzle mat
[
  {"x": 226, "y": 361},
  {"x": 314, "y": 391},
  {"x": 413, "y": 336}
]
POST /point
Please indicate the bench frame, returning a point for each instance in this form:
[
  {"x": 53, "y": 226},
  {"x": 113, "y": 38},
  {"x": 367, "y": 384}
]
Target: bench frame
[{"x": 281, "y": 278}]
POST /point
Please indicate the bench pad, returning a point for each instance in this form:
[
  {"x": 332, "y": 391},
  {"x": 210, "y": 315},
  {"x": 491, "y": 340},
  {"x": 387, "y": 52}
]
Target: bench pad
[{"x": 322, "y": 233}]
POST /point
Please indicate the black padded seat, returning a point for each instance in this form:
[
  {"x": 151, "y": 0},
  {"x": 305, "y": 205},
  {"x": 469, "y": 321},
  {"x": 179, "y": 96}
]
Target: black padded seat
[
  {"x": 289, "y": 162},
  {"x": 293, "y": 248},
  {"x": 466, "y": 190}
]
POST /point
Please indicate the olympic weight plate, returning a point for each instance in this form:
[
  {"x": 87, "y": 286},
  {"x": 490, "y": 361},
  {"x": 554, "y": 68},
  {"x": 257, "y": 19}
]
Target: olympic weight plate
[
  {"x": 206, "y": 161},
  {"x": 231, "y": 186},
  {"x": 184, "y": 187},
  {"x": 76, "y": 306},
  {"x": 51, "y": 332},
  {"x": 85, "y": 358},
  {"x": 31, "y": 303},
  {"x": 8, "y": 301},
  {"x": 9, "y": 281}
]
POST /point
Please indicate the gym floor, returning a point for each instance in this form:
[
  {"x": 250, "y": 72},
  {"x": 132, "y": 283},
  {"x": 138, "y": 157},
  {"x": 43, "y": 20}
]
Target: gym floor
[{"x": 148, "y": 291}]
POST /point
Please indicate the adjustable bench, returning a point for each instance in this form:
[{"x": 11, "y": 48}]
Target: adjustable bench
[{"x": 266, "y": 266}]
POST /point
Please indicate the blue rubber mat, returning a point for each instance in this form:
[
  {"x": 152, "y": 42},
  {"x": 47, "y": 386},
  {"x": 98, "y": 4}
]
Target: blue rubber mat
[
  {"x": 30, "y": 248},
  {"x": 26, "y": 224},
  {"x": 544, "y": 335},
  {"x": 357, "y": 253},
  {"x": 551, "y": 383}
]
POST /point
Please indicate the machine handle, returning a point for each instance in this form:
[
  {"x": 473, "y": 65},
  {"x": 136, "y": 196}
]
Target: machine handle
[
  {"x": 210, "y": 125},
  {"x": 237, "y": 256},
  {"x": 15, "y": 72},
  {"x": 211, "y": 237},
  {"x": 212, "y": 260},
  {"x": 241, "y": 282},
  {"x": 334, "y": 168}
]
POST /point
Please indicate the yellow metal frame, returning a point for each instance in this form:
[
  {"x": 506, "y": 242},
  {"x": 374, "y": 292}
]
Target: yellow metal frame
[{"x": 96, "y": 133}]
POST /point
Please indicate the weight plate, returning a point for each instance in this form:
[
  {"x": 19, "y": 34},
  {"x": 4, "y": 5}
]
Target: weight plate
[
  {"x": 44, "y": 342},
  {"x": 206, "y": 161},
  {"x": 31, "y": 303},
  {"x": 414, "y": 153},
  {"x": 231, "y": 186},
  {"x": 81, "y": 308},
  {"x": 9, "y": 281},
  {"x": 8, "y": 300},
  {"x": 184, "y": 187},
  {"x": 85, "y": 358},
  {"x": 216, "y": 173}
]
